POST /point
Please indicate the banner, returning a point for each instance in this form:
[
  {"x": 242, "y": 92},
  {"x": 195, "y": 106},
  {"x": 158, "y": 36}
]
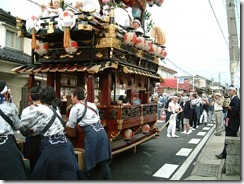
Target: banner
[{"x": 181, "y": 80}]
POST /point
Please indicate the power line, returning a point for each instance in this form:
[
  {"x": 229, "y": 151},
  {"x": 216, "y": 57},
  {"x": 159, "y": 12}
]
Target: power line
[
  {"x": 178, "y": 67},
  {"x": 218, "y": 23}
]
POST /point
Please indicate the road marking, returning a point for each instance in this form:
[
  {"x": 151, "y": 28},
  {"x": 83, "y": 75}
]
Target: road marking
[
  {"x": 201, "y": 133},
  {"x": 147, "y": 153},
  {"x": 206, "y": 128},
  {"x": 179, "y": 173},
  {"x": 166, "y": 170},
  {"x": 210, "y": 124},
  {"x": 184, "y": 152},
  {"x": 194, "y": 141}
]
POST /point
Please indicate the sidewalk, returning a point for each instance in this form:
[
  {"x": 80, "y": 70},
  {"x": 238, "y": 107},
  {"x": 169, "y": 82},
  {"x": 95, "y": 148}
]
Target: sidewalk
[{"x": 207, "y": 166}]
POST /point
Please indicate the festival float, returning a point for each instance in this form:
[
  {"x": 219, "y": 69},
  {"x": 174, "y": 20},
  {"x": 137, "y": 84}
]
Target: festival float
[{"x": 80, "y": 48}]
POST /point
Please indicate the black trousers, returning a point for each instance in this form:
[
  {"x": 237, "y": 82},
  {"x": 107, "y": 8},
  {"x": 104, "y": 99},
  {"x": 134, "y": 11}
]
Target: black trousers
[
  {"x": 102, "y": 168},
  {"x": 35, "y": 142}
]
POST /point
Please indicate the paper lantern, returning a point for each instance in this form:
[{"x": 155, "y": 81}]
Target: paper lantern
[
  {"x": 148, "y": 45},
  {"x": 72, "y": 48},
  {"x": 163, "y": 54},
  {"x": 153, "y": 49},
  {"x": 130, "y": 38},
  {"x": 32, "y": 22},
  {"x": 127, "y": 134},
  {"x": 140, "y": 42},
  {"x": 145, "y": 128},
  {"x": 41, "y": 48},
  {"x": 66, "y": 19},
  {"x": 158, "y": 51}
]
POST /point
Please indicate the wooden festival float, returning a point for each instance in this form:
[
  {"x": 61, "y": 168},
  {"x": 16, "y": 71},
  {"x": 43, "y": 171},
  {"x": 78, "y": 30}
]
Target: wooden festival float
[{"x": 81, "y": 49}]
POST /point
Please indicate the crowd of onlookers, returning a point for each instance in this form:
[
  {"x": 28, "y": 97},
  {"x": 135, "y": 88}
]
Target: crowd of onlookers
[
  {"x": 189, "y": 110},
  {"x": 185, "y": 112}
]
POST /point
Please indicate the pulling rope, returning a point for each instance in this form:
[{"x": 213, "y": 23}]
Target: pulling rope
[{"x": 168, "y": 121}]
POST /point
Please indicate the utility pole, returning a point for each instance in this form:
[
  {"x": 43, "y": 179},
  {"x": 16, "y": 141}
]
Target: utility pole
[{"x": 234, "y": 50}]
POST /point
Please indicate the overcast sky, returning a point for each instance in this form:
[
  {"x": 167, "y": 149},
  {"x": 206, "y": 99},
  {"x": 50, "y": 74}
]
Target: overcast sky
[{"x": 195, "y": 42}]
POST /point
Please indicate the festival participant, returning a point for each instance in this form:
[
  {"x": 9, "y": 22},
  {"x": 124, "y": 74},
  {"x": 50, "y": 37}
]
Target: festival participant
[
  {"x": 52, "y": 9},
  {"x": 204, "y": 115},
  {"x": 12, "y": 165},
  {"x": 57, "y": 160},
  {"x": 88, "y": 5},
  {"x": 136, "y": 24},
  {"x": 97, "y": 145},
  {"x": 218, "y": 113},
  {"x": 232, "y": 123},
  {"x": 34, "y": 140},
  {"x": 173, "y": 109},
  {"x": 187, "y": 114},
  {"x": 195, "y": 105}
]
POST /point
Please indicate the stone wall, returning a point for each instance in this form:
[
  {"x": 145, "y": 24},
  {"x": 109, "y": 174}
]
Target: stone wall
[{"x": 233, "y": 157}]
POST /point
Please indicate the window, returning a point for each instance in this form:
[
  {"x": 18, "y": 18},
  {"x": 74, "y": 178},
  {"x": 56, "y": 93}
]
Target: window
[{"x": 13, "y": 41}]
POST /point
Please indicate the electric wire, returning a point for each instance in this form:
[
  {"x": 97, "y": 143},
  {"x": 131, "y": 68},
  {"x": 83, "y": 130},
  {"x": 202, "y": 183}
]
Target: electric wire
[{"x": 218, "y": 23}]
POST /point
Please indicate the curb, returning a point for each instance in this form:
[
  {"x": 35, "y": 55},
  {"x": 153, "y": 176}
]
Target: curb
[{"x": 219, "y": 177}]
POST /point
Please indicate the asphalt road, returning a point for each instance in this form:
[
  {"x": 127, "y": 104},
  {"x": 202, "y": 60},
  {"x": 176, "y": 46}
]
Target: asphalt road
[{"x": 162, "y": 158}]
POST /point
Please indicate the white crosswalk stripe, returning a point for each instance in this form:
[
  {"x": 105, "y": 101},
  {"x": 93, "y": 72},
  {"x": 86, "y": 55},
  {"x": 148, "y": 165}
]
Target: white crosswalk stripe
[
  {"x": 184, "y": 152},
  {"x": 166, "y": 171}
]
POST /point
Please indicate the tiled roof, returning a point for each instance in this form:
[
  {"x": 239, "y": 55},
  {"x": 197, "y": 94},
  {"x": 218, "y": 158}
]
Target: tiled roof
[
  {"x": 14, "y": 56},
  {"x": 7, "y": 17}
]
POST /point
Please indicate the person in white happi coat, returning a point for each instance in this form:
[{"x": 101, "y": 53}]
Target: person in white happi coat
[
  {"x": 11, "y": 159},
  {"x": 53, "y": 9},
  {"x": 97, "y": 145},
  {"x": 173, "y": 109},
  {"x": 32, "y": 141},
  {"x": 57, "y": 160}
]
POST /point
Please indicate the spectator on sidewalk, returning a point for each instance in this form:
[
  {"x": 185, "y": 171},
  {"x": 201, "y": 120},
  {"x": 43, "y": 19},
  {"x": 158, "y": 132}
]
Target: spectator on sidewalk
[
  {"x": 210, "y": 109},
  {"x": 218, "y": 113},
  {"x": 187, "y": 115},
  {"x": 232, "y": 123},
  {"x": 204, "y": 115},
  {"x": 161, "y": 104},
  {"x": 179, "y": 119},
  {"x": 195, "y": 105}
]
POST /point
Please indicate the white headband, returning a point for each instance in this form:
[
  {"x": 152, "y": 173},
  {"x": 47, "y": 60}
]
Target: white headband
[
  {"x": 5, "y": 89},
  {"x": 135, "y": 20},
  {"x": 232, "y": 88}
]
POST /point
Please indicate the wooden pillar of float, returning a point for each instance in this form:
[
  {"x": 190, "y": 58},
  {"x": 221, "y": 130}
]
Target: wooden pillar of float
[
  {"x": 90, "y": 88},
  {"x": 106, "y": 88},
  {"x": 31, "y": 82}
]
